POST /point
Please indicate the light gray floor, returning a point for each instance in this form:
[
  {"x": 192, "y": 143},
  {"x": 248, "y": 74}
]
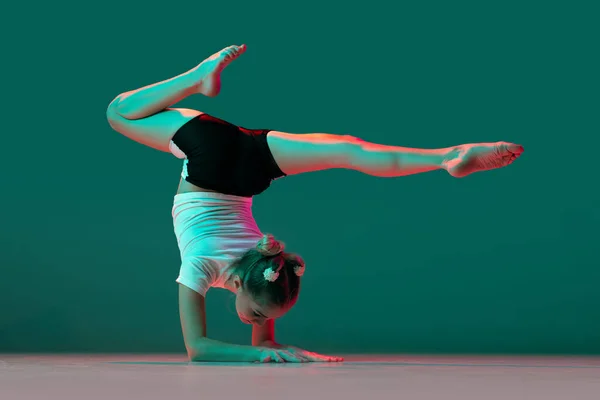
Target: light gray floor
[{"x": 90, "y": 377}]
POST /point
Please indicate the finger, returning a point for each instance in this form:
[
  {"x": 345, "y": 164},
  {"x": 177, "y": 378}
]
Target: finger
[
  {"x": 266, "y": 359},
  {"x": 301, "y": 356},
  {"x": 273, "y": 357},
  {"x": 289, "y": 357},
  {"x": 279, "y": 357},
  {"x": 318, "y": 358},
  {"x": 329, "y": 358}
]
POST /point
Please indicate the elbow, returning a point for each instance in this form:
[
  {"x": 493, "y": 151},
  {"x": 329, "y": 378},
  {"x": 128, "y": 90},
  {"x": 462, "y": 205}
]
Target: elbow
[
  {"x": 196, "y": 352},
  {"x": 193, "y": 354},
  {"x": 193, "y": 357}
]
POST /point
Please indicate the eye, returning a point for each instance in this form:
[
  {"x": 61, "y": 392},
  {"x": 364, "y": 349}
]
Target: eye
[{"x": 256, "y": 314}]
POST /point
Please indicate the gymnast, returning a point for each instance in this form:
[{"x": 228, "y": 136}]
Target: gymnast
[{"x": 224, "y": 166}]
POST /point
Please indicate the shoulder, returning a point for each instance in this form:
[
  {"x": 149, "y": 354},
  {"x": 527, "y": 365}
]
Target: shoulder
[{"x": 198, "y": 275}]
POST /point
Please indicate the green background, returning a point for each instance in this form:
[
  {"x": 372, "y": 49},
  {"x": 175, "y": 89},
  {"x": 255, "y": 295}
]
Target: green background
[{"x": 499, "y": 262}]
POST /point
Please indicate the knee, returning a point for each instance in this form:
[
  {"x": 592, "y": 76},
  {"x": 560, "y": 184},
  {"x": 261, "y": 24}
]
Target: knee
[
  {"x": 352, "y": 139},
  {"x": 349, "y": 152},
  {"x": 350, "y": 146}
]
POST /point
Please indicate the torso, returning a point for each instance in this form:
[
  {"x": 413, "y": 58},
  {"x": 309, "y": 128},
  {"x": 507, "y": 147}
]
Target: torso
[{"x": 186, "y": 187}]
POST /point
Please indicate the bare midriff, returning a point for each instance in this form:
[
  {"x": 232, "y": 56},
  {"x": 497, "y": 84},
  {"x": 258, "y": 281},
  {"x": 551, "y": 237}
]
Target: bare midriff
[{"x": 186, "y": 187}]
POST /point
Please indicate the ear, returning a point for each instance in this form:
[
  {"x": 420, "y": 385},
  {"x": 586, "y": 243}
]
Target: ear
[{"x": 237, "y": 282}]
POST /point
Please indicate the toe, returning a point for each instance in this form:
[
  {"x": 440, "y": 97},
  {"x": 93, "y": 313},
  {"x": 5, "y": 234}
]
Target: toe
[
  {"x": 506, "y": 149},
  {"x": 514, "y": 148},
  {"x": 513, "y": 158}
]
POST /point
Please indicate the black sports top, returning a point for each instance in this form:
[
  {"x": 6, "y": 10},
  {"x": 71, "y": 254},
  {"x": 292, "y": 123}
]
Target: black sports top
[{"x": 225, "y": 157}]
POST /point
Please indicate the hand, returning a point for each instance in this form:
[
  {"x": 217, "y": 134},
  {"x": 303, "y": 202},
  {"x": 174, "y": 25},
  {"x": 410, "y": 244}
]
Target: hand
[
  {"x": 278, "y": 355},
  {"x": 310, "y": 356}
]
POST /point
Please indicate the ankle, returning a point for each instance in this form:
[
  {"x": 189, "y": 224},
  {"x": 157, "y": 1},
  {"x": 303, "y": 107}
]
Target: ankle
[{"x": 449, "y": 154}]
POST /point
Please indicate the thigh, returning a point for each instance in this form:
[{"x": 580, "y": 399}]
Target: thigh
[
  {"x": 308, "y": 152},
  {"x": 154, "y": 131}
]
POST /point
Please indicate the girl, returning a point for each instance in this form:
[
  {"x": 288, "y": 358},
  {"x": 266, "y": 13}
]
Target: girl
[{"x": 224, "y": 167}]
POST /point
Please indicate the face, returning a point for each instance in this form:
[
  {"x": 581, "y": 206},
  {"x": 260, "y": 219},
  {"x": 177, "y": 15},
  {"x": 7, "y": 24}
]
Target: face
[{"x": 254, "y": 312}]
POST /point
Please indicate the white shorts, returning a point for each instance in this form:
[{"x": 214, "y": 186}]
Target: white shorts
[{"x": 213, "y": 230}]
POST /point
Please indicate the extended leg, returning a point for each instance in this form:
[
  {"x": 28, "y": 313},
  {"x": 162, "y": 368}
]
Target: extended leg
[
  {"x": 205, "y": 79},
  {"x": 299, "y": 153},
  {"x": 144, "y": 114}
]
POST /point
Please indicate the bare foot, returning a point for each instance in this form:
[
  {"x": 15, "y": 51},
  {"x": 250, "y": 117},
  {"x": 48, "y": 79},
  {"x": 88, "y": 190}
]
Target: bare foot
[
  {"x": 470, "y": 158},
  {"x": 211, "y": 68}
]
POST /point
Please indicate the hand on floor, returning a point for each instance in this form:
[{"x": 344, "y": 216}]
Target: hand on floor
[
  {"x": 274, "y": 352},
  {"x": 312, "y": 357}
]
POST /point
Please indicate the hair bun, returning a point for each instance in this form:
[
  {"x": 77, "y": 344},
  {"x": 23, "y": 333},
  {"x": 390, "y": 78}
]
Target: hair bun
[
  {"x": 299, "y": 264},
  {"x": 269, "y": 246}
]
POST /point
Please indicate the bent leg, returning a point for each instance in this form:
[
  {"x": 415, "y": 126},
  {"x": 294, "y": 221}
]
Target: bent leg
[
  {"x": 154, "y": 131},
  {"x": 300, "y": 153}
]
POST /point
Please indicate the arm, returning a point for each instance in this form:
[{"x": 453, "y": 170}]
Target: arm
[
  {"x": 264, "y": 335},
  {"x": 192, "y": 312}
]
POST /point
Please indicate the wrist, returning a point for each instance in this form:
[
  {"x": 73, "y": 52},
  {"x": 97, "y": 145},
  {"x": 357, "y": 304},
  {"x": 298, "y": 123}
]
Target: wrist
[
  {"x": 253, "y": 354},
  {"x": 271, "y": 344}
]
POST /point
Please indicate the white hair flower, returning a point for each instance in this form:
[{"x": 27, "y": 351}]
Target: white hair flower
[
  {"x": 299, "y": 270},
  {"x": 270, "y": 275}
]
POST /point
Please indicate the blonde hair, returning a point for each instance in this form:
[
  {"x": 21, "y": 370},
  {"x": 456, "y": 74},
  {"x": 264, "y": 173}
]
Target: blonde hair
[{"x": 270, "y": 274}]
